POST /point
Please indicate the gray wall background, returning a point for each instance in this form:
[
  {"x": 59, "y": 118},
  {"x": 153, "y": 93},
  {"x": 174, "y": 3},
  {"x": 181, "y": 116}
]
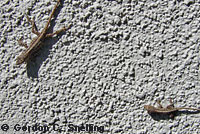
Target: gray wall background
[{"x": 117, "y": 57}]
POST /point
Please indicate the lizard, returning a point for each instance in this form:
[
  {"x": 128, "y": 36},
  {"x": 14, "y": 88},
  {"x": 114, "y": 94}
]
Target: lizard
[
  {"x": 37, "y": 41},
  {"x": 168, "y": 110}
]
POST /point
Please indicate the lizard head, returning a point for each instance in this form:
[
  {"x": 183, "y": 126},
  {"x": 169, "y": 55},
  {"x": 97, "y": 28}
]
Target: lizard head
[
  {"x": 149, "y": 108},
  {"x": 20, "y": 60}
]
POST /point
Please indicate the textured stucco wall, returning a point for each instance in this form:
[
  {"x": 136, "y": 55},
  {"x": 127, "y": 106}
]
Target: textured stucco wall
[{"x": 117, "y": 57}]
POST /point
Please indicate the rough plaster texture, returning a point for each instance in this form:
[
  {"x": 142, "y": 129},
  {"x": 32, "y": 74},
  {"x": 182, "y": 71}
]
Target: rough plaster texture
[{"x": 117, "y": 57}]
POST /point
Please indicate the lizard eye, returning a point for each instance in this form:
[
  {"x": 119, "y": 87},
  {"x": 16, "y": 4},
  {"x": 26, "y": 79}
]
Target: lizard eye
[
  {"x": 19, "y": 60},
  {"x": 145, "y": 107}
]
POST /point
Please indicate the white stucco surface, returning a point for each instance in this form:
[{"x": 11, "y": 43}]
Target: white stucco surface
[{"x": 117, "y": 57}]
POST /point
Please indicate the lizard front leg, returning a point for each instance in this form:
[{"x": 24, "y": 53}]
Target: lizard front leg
[
  {"x": 159, "y": 103},
  {"x": 21, "y": 43}
]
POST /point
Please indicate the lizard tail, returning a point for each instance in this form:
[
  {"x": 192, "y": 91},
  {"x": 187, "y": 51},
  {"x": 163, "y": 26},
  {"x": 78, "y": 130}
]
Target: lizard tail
[{"x": 188, "y": 108}]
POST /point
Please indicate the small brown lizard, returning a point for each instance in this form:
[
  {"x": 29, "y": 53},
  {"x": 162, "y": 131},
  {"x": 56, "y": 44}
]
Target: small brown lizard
[
  {"x": 36, "y": 42},
  {"x": 168, "y": 110}
]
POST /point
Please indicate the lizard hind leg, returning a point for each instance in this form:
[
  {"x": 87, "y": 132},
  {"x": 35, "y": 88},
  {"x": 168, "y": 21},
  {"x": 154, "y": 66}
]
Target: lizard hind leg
[
  {"x": 171, "y": 105},
  {"x": 59, "y": 31},
  {"x": 56, "y": 33},
  {"x": 34, "y": 28}
]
